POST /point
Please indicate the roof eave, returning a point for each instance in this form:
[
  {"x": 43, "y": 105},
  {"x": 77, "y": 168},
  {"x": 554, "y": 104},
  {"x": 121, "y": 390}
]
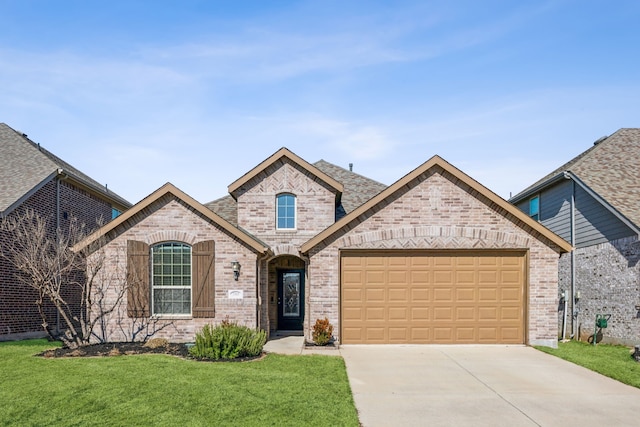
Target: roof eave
[
  {"x": 604, "y": 203},
  {"x": 533, "y": 190},
  {"x": 169, "y": 188},
  {"x": 29, "y": 193}
]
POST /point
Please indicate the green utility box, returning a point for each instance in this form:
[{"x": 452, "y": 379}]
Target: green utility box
[{"x": 602, "y": 321}]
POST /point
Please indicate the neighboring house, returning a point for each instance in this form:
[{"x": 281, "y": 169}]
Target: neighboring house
[
  {"x": 593, "y": 202},
  {"x": 33, "y": 178},
  {"x": 434, "y": 258}
]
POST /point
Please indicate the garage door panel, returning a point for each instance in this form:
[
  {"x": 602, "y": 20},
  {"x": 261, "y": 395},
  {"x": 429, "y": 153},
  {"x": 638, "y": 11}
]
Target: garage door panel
[
  {"x": 488, "y": 295},
  {"x": 465, "y": 314},
  {"x": 442, "y": 295},
  {"x": 488, "y": 314},
  {"x": 375, "y": 277},
  {"x": 419, "y": 313},
  {"x": 399, "y": 313},
  {"x": 409, "y": 297},
  {"x": 420, "y": 295},
  {"x": 400, "y": 295},
  {"x": 375, "y": 295},
  {"x": 465, "y": 294},
  {"x": 465, "y": 335},
  {"x": 374, "y": 313},
  {"x": 353, "y": 295},
  {"x": 442, "y": 314}
]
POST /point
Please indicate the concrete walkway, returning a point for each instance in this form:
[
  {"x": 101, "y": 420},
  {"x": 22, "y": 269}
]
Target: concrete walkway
[
  {"x": 292, "y": 344},
  {"x": 482, "y": 386}
]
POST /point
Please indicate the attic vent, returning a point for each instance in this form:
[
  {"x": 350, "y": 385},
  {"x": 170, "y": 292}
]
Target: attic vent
[
  {"x": 350, "y": 167},
  {"x": 600, "y": 140}
]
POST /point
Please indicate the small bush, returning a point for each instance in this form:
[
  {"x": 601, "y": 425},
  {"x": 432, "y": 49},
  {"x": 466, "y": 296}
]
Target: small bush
[
  {"x": 228, "y": 341},
  {"x": 322, "y": 331}
]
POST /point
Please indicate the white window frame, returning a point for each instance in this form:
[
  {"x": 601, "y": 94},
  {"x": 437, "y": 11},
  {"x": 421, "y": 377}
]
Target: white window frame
[
  {"x": 153, "y": 286},
  {"x": 295, "y": 212}
]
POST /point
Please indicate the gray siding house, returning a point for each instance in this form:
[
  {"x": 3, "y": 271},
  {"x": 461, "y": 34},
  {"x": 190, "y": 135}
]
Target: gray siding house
[{"x": 593, "y": 202}]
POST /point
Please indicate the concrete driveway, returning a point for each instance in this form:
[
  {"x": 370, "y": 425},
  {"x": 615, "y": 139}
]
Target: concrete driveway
[{"x": 493, "y": 386}]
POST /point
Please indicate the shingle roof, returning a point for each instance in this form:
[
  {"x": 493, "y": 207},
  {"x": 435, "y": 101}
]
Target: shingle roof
[
  {"x": 25, "y": 165},
  {"x": 226, "y": 207},
  {"x": 611, "y": 168},
  {"x": 357, "y": 190}
]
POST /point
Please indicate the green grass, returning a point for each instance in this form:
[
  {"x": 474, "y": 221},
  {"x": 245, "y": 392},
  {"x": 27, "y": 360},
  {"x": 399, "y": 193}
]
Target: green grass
[
  {"x": 613, "y": 361},
  {"x": 163, "y": 390}
]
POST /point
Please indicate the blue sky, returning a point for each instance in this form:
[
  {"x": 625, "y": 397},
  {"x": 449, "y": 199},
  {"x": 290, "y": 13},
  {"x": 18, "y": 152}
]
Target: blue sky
[{"x": 139, "y": 93}]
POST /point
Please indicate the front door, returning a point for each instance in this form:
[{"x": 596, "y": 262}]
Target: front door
[{"x": 290, "y": 300}]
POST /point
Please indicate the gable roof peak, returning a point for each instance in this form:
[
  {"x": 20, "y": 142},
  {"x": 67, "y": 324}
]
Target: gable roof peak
[
  {"x": 410, "y": 178},
  {"x": 286, "y": 153}
]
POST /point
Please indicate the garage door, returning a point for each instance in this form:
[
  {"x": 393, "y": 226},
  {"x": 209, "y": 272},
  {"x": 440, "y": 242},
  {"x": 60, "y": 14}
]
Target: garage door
[{"x": 435, "y": 298}]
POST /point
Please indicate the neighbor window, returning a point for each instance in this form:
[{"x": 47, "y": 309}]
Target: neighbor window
[
  {"x": 115, "y": 213},
  {"x": 286, "y": 211},
  {"x": 171, "y": 278},
  {"x": 534, "y": 208}
]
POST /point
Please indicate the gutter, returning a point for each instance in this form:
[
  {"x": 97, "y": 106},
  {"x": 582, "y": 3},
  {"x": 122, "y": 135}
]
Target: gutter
[{"x": 519, "y": 197}]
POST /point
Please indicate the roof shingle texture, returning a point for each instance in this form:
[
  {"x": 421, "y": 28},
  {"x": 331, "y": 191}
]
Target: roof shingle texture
[
  {"x": 25, "y": 164},
  {"x": 357, "y": 190},
  {"x": 611, "y": 168}
]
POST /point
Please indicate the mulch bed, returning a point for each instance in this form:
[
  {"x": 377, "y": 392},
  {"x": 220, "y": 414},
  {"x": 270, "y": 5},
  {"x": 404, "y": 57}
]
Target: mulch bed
[
  {"x": 117, "y": 349},
  {"x": 130, "y": 348}
]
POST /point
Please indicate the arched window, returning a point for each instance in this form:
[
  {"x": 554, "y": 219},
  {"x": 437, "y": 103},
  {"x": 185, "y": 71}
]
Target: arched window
[
  {"x": 171, "y": 278},
  {"x": 286, "y": 212}
]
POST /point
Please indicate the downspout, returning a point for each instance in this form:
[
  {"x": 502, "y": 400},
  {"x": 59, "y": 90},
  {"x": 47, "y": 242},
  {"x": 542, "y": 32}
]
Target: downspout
[
  {"x": 57, "y": 231},
  {"x": 574, "y": 317}
]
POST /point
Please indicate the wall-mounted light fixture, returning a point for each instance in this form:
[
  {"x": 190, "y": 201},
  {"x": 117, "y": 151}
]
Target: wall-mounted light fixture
[
  {"x": 563, "y": 295},
  {"x": 235, "y": 265},
  {"x": 577, "y": 296}
]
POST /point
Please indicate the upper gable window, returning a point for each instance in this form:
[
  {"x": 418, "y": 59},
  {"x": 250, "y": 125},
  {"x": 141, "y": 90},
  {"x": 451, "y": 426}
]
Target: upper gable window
[
  {"x": 534, "y": 208},
  {"x": 286, "y": 212}
]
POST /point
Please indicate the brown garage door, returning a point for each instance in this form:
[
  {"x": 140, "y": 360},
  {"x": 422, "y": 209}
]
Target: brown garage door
[{"x": 435, "y": 298}]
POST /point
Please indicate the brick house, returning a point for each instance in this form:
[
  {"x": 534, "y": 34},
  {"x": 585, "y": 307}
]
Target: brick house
[
  {"x": 33, "y": 178},
  {"x": 593, "y": 202},
  {"x": 434, "y": 258}
]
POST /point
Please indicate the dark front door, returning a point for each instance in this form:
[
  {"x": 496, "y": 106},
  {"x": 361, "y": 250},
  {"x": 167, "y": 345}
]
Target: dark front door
[{"x": 290, "y": 299}]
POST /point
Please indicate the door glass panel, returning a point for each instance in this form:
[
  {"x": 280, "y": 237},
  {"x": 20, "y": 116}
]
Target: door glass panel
[{"x": 291, "y": 294}]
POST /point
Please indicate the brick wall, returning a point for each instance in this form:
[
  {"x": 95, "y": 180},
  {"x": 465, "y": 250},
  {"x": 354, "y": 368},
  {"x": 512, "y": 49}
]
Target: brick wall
[
  {"x": 170, "y": 220},
  {"x": 315, "y": 205},
  {"x": 18, "y": 313},
  {"x": 438, "y": 213},
  {"x": 608, "y": 279}
]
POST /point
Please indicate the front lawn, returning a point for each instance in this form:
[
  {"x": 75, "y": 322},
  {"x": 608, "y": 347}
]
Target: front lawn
[
  {"x": 613, "y": 361},
  {"x": 164, "y": 390}
]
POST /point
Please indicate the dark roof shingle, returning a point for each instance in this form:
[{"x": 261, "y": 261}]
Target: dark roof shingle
[
  {"x": 357, "y": 190},
  {"x": 26, "y": 164},
  {"x": 611, "y": 168}
]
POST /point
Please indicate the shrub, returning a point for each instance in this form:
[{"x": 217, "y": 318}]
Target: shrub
[
  {"x": 322, "y": 331},
  {"x": 228, "y": 341}
]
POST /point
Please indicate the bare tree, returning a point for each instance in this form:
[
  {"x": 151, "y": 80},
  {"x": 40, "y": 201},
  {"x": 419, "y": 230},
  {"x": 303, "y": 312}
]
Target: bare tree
[
  {"x": 85, "y": 294},
  {"x": 44, "y": 261}
]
